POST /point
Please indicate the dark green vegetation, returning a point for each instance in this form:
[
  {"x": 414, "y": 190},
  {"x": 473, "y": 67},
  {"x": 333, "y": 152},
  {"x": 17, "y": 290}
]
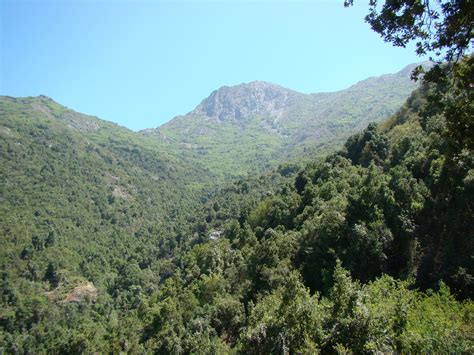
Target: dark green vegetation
[
  {"x": 110, "y": 245},
  {"x": 251, "y": 128},
  {"x": 112, "y": 241},
  {"x": 80, "y": 200}
]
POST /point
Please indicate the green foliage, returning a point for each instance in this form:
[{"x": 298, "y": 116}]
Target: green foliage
[
  {"x": 289, "y": 319},
  {"x": 112, "y": 244},
  {"x": 443, "y": 28},
  {"x": 83, "y": 201}
]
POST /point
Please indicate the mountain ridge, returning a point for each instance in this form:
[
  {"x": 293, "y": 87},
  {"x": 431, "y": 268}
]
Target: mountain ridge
[
  {"x": 277, "y": 124},
  {"x": 244, "y": 100},
  {"x": 253, "y": 127},
  {"x": 259, "y": 85}
]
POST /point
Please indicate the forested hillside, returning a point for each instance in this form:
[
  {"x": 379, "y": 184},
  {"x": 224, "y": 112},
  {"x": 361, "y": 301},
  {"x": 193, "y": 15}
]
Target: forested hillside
[
  {"x": 369, "y": 249},
  {"x": 85, "y": 207},
  {"x": 265, "y": 221}
]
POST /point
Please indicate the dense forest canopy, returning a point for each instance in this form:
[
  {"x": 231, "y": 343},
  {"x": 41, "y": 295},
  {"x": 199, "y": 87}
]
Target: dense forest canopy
[
  {"x": 367, "y": 249},
  {"x": 114, "y": 243}
]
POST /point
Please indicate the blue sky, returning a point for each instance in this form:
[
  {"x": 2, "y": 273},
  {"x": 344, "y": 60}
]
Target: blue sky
[{"x": 140, "y": 63}]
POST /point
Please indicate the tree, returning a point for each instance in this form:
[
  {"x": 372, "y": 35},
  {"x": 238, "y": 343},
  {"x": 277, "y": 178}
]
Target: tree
[
  {"x": 51, "y": 274},
  {"x": 442, "y": 29},
  {"x": 286, "y": 321}
]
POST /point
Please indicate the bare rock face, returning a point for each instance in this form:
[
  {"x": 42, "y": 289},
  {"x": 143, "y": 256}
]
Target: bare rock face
[{"x": 257, "y": 98}]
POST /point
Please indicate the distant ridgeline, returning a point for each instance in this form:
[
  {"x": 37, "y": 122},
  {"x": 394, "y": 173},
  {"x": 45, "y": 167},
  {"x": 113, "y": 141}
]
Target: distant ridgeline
[
  {"x": 115, "y": 241},
  {"x": 251, "y": 128}
]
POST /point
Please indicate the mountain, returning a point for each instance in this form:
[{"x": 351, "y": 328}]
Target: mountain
[
  {"x": 252, "y": 127},
  {"x": 109, "y": 244},
  {"x": 325, "y": 261}
]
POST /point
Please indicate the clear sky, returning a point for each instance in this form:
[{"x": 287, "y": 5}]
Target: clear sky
[{"x": 140, "y": 63}]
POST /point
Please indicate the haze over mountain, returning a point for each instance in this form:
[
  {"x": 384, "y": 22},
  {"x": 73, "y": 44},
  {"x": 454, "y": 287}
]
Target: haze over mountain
[{"x": 258, "y": 125}]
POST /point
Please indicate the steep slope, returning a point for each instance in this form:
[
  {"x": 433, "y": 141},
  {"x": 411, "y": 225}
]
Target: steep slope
[
  {"x": 252, "y": 127},
  {"x": 78, "y": 192},
  {"x": 394, "y": 208},
  {"x": 397, "y": 199},
  {"x": 97, "y": 258}
]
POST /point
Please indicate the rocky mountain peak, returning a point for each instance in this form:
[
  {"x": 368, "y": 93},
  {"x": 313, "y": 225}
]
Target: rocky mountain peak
[{"x": 257, "y": 98}]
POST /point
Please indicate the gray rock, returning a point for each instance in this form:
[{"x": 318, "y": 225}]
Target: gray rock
[{"x": 244, "y": 101}]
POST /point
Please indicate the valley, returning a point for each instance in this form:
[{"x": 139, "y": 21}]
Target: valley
[{"x": 264, "y": 220}]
